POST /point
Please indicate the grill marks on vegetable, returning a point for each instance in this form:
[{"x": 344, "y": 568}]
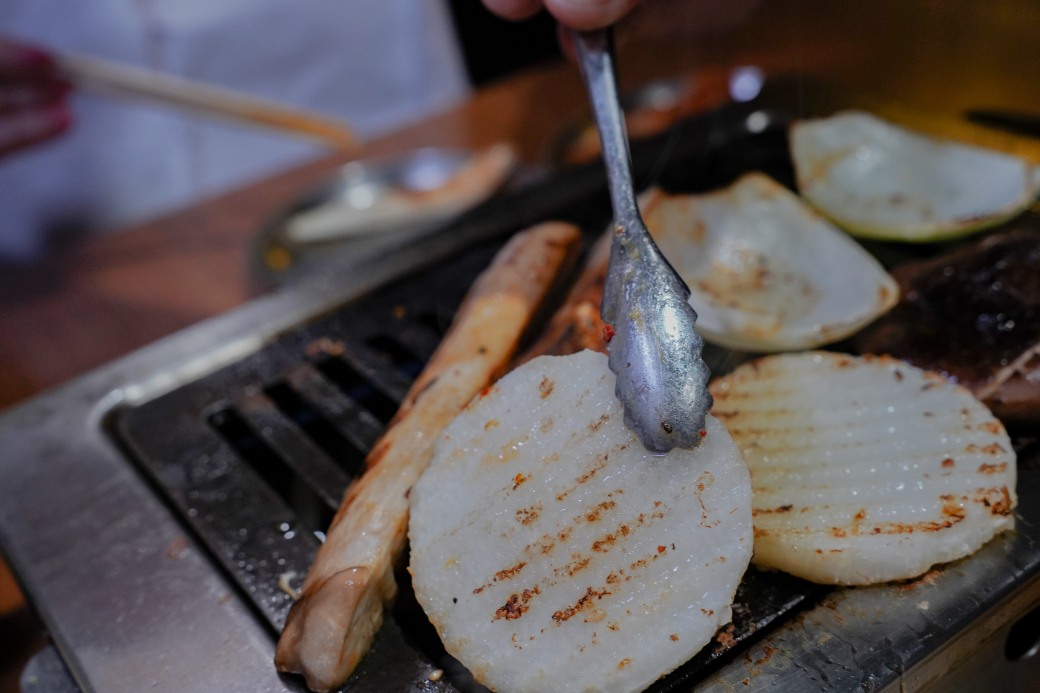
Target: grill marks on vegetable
[
  {"x": 568, "y": 548},
  {"x": 592, "y": 512},
  {"x": 862, "y": 456}
]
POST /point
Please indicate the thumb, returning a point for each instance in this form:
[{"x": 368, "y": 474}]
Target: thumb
[{"x": 586, "y": 15}]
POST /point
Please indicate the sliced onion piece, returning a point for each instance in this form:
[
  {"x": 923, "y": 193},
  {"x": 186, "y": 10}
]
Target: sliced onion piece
[
  {"x": 866, "y": 469},
  {"x": 880, "y": 180},
  {"x": 765, "y": 272},
  {"x": 553, "y": 553}
]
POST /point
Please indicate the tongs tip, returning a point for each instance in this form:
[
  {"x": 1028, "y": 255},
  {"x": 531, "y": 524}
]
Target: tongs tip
[{"x": 656, "y": 350}]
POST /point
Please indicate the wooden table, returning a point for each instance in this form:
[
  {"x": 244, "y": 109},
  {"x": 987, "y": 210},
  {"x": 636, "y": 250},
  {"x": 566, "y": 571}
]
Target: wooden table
[{"x": 104, "y": 296}]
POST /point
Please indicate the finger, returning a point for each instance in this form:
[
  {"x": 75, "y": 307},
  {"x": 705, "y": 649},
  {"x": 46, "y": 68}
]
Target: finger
[
  {"x": 22, "y": 95},
  {"x": 26, "y": 128},
  {"x": 24, "y": 62},
  {"x": 585, "y": 15},
  {"x": 514, "y": 9}
]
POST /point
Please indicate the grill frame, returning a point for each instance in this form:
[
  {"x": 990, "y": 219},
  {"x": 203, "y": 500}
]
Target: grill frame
[
  {"x": 108, "y": 560},
  {"x": 257, "y": 488}
]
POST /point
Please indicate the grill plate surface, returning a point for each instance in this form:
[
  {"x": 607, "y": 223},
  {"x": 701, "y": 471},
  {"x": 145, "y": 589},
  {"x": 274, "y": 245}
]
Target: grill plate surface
[{"x": 153, "y": 507}]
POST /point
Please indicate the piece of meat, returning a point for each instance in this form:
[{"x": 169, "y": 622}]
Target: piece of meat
[
  {"x": 974, "y": 316},
  {"x": 331, "y": 626},
  {"x": 577, "y": 324}
]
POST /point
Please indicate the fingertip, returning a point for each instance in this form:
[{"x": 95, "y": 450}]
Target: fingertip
[
  {"x": 514, "y": 10},
  {"x": 17, "y": 59},
  {"x": 586, "y": 15}
]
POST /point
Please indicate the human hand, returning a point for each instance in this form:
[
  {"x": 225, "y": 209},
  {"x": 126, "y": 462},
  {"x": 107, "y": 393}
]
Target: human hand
[
  {"x": 583, "y": 15},
  {"x": 33, "y": 104}
]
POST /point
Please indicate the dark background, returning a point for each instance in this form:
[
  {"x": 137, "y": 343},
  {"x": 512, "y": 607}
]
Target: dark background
[{"x": 494, "y": 48}]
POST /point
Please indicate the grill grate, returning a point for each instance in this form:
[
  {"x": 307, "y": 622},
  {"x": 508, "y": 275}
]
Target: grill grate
[{"x": 255, "y": 457}]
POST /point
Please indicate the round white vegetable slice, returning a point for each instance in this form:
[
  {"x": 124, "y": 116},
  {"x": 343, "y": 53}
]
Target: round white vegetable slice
[
  {"x": 766, "y": 272},
  {"x": 879, "y": 180},
  {"x": 553, "y": 553},
  {"x": 865, "y": 469}
]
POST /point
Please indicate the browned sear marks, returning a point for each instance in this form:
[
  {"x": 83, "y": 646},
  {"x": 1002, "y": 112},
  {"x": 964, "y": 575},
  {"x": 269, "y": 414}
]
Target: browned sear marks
[
  {"x": 577, "y": 565},
  {"x": 599, "y": 463},
  {"x": 1000, "y": 505},
  {"x": 515, "y": 606},
  {"x": 526, "y": 516},
  {"x": 755, "y": 512},
  {"x": 953, "y": 510},
  {"x": 991, "y": 449},
  {"x": 725, "y": 637},
  {"x": 510, "y": 572},
  {"x": 504, "y": 574},
  {"x": 594, "y": 514},
  {"x": 993, "y": 427},
  {"x": 545, "y": 388},
  {"x": 584, "y": 602}
]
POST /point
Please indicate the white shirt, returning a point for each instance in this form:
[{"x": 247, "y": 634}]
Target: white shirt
[{"x": 377, "y": 64}]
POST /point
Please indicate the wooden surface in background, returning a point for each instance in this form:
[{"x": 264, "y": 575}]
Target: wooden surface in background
[{"x": 99, "y": 298}]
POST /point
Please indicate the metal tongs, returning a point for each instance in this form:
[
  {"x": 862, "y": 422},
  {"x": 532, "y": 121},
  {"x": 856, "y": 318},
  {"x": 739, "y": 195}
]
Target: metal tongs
[{"x": 655, "y": 351}]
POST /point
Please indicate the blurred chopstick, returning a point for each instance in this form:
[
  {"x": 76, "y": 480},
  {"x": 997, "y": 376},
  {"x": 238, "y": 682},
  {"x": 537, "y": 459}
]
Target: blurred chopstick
[{"x": 116, "y": 79}]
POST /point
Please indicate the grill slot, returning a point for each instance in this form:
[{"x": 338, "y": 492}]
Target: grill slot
[
  {"x": 401, "y": 356},
  {"x": 274, "y": 467},
  {"x": 359, "y": 388},
  {"x": 217, "y": 492},
  {"x": 255, "y": 457},
  {"x": 333, "y": 449},
  {"x": 292, "y": 450},
  {"x": 354, "y": 426},
  {"x": 436, "y": 323}
]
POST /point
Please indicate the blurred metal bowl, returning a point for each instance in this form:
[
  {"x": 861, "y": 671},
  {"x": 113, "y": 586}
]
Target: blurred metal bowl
[{"x": 373, "y": 204}]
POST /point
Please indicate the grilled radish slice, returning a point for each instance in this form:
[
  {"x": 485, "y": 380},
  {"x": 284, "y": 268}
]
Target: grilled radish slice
[
  {"x": 767, "y": 273},
  {"x": 879, "y": 180},
  {"x": 553, "y": 553},
  {"x": 866, "y": 469}
]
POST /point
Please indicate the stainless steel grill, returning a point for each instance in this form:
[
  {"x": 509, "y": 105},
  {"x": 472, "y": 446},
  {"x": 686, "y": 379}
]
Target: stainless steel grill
[{"x": 160, "y": 509}]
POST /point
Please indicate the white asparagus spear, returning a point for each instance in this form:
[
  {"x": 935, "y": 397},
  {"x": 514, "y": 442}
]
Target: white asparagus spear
[{"x": 331, "y": 626}]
